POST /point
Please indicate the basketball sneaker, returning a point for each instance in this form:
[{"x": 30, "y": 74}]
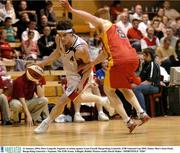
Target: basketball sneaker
[
  {"x": 131, "y": 124},
  {"x": 42, "y": 128},
  {"x": 60, "y": 119},
  {"x": 78, "y": 118},
  {"x": 102, "y": 117},
  {"x": 143, "y": 117}
]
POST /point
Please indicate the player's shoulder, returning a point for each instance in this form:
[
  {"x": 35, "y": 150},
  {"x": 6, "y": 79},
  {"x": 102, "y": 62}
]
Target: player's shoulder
[
  {"x": 106, "y": 25},
  {"x": 81, "y": 45}
]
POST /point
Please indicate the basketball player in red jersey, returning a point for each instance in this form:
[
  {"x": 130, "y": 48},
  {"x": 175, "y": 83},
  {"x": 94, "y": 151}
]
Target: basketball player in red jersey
[{"x": 122, "y": 64}]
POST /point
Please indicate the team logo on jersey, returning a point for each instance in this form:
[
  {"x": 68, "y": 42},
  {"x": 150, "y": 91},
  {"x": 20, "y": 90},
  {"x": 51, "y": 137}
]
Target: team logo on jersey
[{"x": 121, "y": 33}]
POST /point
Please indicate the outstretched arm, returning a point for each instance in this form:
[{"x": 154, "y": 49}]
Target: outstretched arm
[{"x": 97, "y": 22}]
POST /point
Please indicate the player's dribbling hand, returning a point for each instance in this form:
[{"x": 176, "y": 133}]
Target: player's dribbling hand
[
  {"x": 40, "y": 64},
  {"x": 65, "y": 4}
]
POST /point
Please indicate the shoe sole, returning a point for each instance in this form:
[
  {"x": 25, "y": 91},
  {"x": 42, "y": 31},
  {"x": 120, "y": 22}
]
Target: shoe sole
[
  {"x": 79, "y": 121},
  {"x": 37, "y": 132},
  {"x": 132, "y": 128},
  {"x": 145, "y": 119}
]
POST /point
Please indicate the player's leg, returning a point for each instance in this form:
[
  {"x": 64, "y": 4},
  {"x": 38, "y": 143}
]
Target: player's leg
[
  {"x": 57, "y": 110},
  {"x": 118, "y": 105},
  {"x": 77, "y": 115},
  {"x": 131, "y": 98}
]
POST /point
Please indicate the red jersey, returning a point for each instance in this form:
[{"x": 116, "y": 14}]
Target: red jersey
[
  {"x": 5, "y": 50},
  {"x": 118, "y": 46},
  {"x": 123, "y": 59}
]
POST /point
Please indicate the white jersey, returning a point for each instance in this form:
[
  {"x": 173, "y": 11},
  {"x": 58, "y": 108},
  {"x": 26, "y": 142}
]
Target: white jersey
[
  {"x": 70, "y": 65},
  {"x": 68, "y": 59}
]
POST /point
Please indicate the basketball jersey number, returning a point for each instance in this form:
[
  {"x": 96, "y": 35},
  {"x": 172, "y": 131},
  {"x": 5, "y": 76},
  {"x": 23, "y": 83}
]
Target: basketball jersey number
[{"x": 120, "y": 33}]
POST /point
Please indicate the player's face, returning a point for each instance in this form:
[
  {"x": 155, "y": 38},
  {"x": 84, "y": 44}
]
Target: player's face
[{"x": 65, "y": 38}]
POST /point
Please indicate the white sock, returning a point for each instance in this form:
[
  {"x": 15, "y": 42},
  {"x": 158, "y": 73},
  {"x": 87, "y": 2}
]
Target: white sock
[
  {"x": 48, "y": 120},
  {"x": 100, "y": 112},
  {"x": 127, "y": 119},
  {"x": 77, "y": 113},
  {"x": 141, "y": 111}
]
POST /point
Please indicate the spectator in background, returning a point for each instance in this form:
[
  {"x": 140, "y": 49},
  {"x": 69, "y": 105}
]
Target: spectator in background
[
  {"x": 157, "y": 30},
  {"x": 115, "y": 9},
  {"x": 124, "y": 23},
  {"x": 125, "y": 10},
  {"x": 150, "y": 76},
  {"x": 22, "y": 24},
  {"x": 138, "y": 12},
  {"x": 150, "y": 41},
  {"x": 5, "y": 49},
  {"x": 28, "y": 96},
  {"x": 164, "y": 24},
  {"x": 4, "y": 105},
  {"x": 30, "y": 47},
  {"x": 91, "y": 88},
  {"x": 135, "y": 35},
  {"x": 37, "y": 6},
  {"x": 8, "y": 11},
  {"x": 11, "y": 33},
  {"x": 177, "y": 49},
  {"x": 144, "y": 24},
  {"x": 23, "y": 8},
  {"x": 177, "y": 32},
  {"x": 44, "y": 22},
  {"x": 49, "y": 12},
  {"x": 160, "y": 14},
  {"x": 3, "y": 70},
  {"x": 171, "y": 13},
  {"x": 169, "y": 35},
  {"x": 32, "y": 27},
  {"x": 46, "y": 43},
  {"x": 167, "y": 55},
  {"x": 101, "y": 72}
]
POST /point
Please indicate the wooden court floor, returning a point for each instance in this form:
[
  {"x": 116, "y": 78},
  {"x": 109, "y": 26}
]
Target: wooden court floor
[{"x": 159, "y": 131}]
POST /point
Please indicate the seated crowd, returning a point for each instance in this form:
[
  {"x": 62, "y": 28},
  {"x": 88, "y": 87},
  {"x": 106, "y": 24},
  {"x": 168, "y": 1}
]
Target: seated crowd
[{"x": 156, "y": 41}]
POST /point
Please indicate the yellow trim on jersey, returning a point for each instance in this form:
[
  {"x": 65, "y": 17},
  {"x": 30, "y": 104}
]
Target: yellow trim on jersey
[{"x": 104, "y": 39}]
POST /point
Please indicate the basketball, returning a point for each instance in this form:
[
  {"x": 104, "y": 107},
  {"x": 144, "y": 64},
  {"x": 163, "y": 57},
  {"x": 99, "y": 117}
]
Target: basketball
[{"x": 34, "y": 72}]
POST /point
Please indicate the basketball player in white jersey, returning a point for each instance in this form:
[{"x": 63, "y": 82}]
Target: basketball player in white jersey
[{"x": 75, "y": 53}]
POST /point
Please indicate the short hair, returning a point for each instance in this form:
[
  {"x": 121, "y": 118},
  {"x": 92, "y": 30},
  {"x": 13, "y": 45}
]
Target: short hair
[
  {"x": 30, "y": 32},
  {"x": 7, "y": 18},
  {"x": 166, "y": 39},
  {"x": 150, "y": 51},
  {"x": 49, "y": 3},
  {"x": 64, "y": 25},
  {"x": 149, "y": 28},
  {"x": 155, "y": 20},
  {"x": 136, "y": 19}
]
